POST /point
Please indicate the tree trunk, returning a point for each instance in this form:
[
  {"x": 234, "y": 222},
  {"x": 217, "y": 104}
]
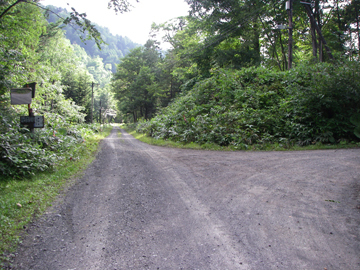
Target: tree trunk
[
  {"x": 276, "y": 54},
  {"x": 312, "y": 19},
  {"x": 321, "y": 48},
  {"x": 290, "y": 44},
  {"x": 256, "y": 42},
  {"x": 314, "y": 41},
  {"x": 338, "y": 21},
  {"x": 273, "y": 44},
  {"x": 283, "y": 53},
  {"x": 316, "y": 46},
  {"x": 357, "y": 23}
]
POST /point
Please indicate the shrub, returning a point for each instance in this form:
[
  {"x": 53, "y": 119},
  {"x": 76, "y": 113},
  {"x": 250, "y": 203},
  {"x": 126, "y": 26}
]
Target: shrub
[
  {"x": 310, "y": 103},
  {"x": 23, "y": 153}
]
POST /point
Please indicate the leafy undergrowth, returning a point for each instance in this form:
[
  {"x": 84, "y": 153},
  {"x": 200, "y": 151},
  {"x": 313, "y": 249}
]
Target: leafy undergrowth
[
  {"x": 23, "y": 153},
  {"x": 215, "y": 147},
  {"x": 168, "y": 143},
  {"x": 24, "y": 198},
  {"x": 257, "y": 108}
]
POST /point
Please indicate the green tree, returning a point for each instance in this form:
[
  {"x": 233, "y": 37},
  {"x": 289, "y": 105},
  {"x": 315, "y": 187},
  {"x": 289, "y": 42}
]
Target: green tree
[
  {"x": 20, "y": 33},
  {"x": 179, "y": 64},
  {"x": 230, "y": 19},
  {"x": 136, "y": 82}
]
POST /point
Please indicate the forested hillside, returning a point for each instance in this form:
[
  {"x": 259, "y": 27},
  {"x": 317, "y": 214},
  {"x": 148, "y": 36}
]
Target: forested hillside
[
  {"x": 248, "y": 74},
  {"x": 115, "y": 48}
]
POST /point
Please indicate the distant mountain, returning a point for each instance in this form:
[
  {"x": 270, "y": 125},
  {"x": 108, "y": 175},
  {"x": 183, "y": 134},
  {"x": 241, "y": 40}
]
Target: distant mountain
[{"x": 116, "y": 48}]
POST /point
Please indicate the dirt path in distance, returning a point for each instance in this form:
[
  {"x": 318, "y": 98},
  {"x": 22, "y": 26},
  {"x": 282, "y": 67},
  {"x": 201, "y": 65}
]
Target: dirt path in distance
[{"x": 147, "y": 207}]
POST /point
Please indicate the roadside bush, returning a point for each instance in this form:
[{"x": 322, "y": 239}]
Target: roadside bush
[
  {"x": 309, "y": 104},
  {"x": 23, "y": 153},
  {"x": 321, "y": 100}
]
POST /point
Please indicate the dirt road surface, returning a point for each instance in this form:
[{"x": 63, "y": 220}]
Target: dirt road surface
[{"x": 148, "y": 207}]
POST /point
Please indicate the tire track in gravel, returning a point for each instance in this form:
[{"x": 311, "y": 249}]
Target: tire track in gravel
[{"x": 212, "y": 229}]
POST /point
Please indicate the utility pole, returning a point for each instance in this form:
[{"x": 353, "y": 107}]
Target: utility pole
[
  {"x": 288, "y": 6},
  {"x": 92, "y": 102},
  {"x": 100, "y": 111},
  {"x": 357, "y": 24},
  {"x": 31, "y": 114}
]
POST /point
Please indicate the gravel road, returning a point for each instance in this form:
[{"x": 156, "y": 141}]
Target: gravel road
[{"x": 146, "y": 207}]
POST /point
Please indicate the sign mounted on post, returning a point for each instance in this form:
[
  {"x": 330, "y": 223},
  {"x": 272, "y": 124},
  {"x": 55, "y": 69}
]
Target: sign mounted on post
[
  {"x": 21, "y": 96},
  {"x": 24, "y": 96},
  {"x": 32, "y": 121}
]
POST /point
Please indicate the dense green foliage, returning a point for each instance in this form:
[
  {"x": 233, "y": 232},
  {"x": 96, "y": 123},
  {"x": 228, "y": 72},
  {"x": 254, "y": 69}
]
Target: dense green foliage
[
  {"x": 23, "y": 153},
  {"x": 309, "y": 104},
  {"x": 136, "y": 82},
  {"x": 145, "y": 81},
  {"x": 244, "y": 33}
]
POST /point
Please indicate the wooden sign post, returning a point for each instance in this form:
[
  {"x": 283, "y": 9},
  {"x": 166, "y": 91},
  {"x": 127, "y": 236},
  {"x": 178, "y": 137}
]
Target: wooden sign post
[{"x": 24, "y": 96}]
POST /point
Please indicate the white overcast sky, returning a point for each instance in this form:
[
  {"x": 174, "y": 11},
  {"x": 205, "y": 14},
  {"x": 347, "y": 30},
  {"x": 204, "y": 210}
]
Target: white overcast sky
[{"x": 135, "y": 24}]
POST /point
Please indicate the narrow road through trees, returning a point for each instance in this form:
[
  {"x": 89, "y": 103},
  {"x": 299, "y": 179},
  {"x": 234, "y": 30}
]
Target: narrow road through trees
[{"x": 146, "y": 207}]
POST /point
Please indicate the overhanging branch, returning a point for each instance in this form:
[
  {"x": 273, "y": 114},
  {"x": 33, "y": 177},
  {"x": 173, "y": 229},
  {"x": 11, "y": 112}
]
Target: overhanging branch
[{"x": 10, "y": 7}]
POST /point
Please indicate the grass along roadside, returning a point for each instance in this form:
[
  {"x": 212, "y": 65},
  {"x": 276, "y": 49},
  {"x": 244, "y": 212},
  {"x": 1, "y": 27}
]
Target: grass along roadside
[
  {"x": 257, "y": 147},
  {"x": 160, "y": 142},
  {"x": 22, "y": 200}
]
